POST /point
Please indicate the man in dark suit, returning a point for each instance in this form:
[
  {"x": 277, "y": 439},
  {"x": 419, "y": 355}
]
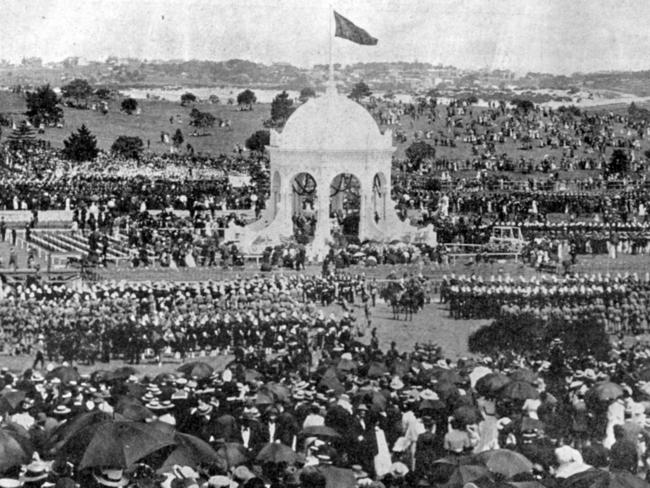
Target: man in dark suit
[
  {"x": 364, "y": 442},
  {"x": 251, "y": 434},
  {"x": 271, "y": 428}
]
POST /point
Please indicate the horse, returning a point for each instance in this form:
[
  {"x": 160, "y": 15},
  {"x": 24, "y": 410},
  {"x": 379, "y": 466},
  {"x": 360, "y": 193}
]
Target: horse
[{"x": 404, "y": 299}]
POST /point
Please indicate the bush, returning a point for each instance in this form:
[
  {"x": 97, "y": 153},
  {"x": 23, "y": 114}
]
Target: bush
[
  {"x": 258, "y": 140},
  {"x": 128, "y": 147},
  {"x": 526, "y": 331}
]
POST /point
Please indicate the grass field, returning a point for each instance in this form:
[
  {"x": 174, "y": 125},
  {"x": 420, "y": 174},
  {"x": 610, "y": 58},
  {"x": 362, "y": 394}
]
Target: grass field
[{"x": 155, "y": 115}]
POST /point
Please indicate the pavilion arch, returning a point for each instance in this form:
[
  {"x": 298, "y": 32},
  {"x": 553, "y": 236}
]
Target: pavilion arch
[
  {"x": 380, "y": 197},
  {"x": 304, "y": 201},
  {"x": 345, "y": 203}
]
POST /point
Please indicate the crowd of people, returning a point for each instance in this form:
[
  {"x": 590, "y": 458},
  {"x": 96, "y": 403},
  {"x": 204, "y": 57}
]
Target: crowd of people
[
  {"x": 620, "y": 300},
  {"x": 307, "y": 401}
]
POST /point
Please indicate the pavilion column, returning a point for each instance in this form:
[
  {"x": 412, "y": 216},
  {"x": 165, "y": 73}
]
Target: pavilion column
[{"x": 323, "y": 227}]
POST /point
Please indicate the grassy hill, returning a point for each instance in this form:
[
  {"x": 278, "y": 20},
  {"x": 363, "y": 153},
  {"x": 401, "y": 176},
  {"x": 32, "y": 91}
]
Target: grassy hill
[{"x": 155, "y": 118}]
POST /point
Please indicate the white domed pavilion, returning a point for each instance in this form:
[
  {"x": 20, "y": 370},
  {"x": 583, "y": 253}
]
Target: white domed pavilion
[{"x": 325, "y": 138}]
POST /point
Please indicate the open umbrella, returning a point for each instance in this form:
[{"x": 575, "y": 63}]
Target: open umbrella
[
  {"x": 597, "y": 478},
  {"x": 10, "y": 399},
  {"x": 66, "y": 430},
  {"x": 65, "y": 373},
  {"x": 276, "y": 452},
  {"x": 505, "y": 462},
  {"x": 123, "y": 373},
  {"x": 251, "y": 375},
  {"x": 189, "y": 451},
  {"x": 445, "y": 390},
  {"x": 466, "y": 473},
  {"x": 524, "y": 374},
  {"x": 319, "y": 431},
  {"x": 233, "y": 453},
  {"x": 604, "y": 391},
  {"x": 263, "y": 398},
  {"x": 114, "y": 444},
  {"x": 15, "y": 449},
  {"x": 346, "y": 365},
  {"x": 490, "y": 384},
  {"x": 196, "y": 369},
  {"x": 330, "y": 381},
  {"x": 134, "y": 411},
  {"x": 372, "y": 398},
  {"x": 519, "y": 390},
  {"x": 376, "y": 369},
  {"x": 450, "y": 376}
]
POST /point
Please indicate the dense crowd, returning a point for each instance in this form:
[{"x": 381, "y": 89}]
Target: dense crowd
[
  {"x": 305, "y": 403},
  {"x": 45, "y": 182},
  {"x": 619, "y": 300},
  {"x": 104, "y": 321}
]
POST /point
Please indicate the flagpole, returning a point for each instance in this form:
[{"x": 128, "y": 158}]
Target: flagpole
[{"x": 331, "y": 68}]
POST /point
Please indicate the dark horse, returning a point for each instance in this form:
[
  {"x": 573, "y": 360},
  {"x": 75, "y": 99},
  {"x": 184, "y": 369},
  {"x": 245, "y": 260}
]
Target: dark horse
[{"x": 404, "y": 298}]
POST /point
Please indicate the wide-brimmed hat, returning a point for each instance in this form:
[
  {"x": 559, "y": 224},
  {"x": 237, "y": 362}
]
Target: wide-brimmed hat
[
  {"x": 35, "y": 471},
  {"x": 61, "y": 410},
  {"x": 111, "y": 477}
]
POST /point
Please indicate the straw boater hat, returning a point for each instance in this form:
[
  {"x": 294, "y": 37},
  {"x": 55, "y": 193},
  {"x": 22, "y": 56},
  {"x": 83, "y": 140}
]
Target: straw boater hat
[
  {"x": 61, "y": 410},
  {"x": 35, "y": 471},
  {"x": 111, "y": 477}
]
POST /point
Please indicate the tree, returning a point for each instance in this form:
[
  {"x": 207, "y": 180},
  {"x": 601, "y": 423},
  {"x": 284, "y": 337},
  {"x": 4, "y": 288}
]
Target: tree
[
  {"x": 523, "y": 105},
  {"x": 128, "y": 147},
  {"x": 360, "y": 90},
  {"x": 201, "y": 120},
  {"x": 213, "y": 99},
  {"x": 129, "y": 105},
  {"x": 177, "y": 138},
  {"x": 281, "y": 108},
  {"x": 103, "y": 93},
  {"x": 43, "y": 106},
  {"x": 78, "y": 89},
  {"x": 187, "y": 98},
  {"x": 307, "y": 93},
  {"x": 618, "y": 162},
  {"x": 80, "y": 146},
  {"x": 258, "y": 140},
  {"x": 419, "y": 151},
  {"x": 246, "y": 98}
]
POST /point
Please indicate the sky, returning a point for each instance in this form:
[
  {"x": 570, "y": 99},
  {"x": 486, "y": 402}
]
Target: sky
[{"x": 553, "y": 36}]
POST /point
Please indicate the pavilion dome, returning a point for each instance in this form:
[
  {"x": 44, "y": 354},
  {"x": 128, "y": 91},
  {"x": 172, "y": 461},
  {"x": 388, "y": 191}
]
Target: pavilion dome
[{"x": 332, "y": 122}]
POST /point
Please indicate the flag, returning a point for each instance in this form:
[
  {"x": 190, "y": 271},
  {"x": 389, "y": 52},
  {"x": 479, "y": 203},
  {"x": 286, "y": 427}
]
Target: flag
[{"x": 347, "y": 30}]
